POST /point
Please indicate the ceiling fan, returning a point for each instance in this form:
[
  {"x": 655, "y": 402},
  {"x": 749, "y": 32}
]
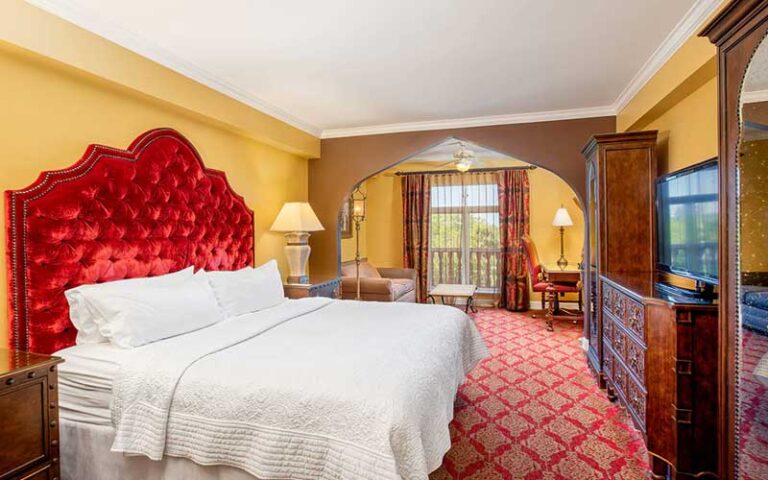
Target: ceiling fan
[{"x": 463, "y": 158}]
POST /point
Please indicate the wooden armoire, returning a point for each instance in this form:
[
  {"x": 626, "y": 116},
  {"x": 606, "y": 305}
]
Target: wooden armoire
[
  {"x": 621, "y": 172},
  {"x": 652, "y": 348}
]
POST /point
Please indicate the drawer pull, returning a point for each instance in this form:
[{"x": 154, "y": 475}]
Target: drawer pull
[
  {"x": 10, "y": 381},
  {"x": 31, "y": 375},
  {"x": 51, "y": 386},
  {"x": 54, "y": 442},
  {"x": 53, "y": 424},
  {"x": 53, "y": 368},
  {"x": 55, "y": 459},
  {"x": 52, "y": 405}
]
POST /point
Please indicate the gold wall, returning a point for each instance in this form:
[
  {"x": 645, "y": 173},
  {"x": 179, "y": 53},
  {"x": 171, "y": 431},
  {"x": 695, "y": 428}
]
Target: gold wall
[
  {"x": 680, "y": 101},
  {"x": 51, "y": 111},
  {"x": 753, "y": 214}
]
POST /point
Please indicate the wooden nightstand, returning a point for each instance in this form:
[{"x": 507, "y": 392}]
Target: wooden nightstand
[
  {"x": 317, "y": 287},
  {"x": 29, "y": 416}
]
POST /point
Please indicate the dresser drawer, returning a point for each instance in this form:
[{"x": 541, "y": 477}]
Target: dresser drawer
[
  {"x": 608, "y": 327},
  {"x": 634, "y": 318},
  {"x": 635, "y": 359},
  {"x": 632, "y": 394},
  {"x": 608, "y": 363},
  {"x": 626, "y": 310}
]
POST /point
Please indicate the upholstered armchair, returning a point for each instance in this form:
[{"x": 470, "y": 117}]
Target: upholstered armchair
[{"x": 378, "y": 284}]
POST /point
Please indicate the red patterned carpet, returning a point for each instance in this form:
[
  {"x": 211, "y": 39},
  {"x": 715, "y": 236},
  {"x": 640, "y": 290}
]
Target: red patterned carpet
[
  {"x": 754, "y": 409},
  {"x": 533, "y": 411}
]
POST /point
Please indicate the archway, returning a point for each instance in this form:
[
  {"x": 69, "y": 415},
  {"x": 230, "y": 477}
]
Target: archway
[
  {"x": 344, "y": 162},
  {"x": 381, "y": 235}
]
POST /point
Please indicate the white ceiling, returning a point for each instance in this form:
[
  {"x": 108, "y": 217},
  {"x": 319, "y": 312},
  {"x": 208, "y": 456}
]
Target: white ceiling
[{"x": 342, "y": 66}]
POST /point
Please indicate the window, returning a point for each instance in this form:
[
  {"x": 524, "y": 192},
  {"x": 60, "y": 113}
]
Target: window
[{"x": 464, "y": 230}]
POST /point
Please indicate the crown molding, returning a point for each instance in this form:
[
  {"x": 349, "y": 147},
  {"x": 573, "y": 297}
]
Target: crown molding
[
  {"x": 755, "y": 96},
  {"x": 117, "y": 34},
  {"x": 487, "y": 121},
  {"x": 699, "y": 12}
]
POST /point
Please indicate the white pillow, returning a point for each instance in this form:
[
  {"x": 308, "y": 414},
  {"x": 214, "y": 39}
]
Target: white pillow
[
  {"x": 248, "y": 289},
  {"x": 132, "y": 317},
  {"x": 84, "y": 317}
]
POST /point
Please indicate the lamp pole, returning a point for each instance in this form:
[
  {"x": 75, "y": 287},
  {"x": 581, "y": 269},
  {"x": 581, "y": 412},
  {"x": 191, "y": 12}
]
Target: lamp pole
[{"x": 357, "y": 255}]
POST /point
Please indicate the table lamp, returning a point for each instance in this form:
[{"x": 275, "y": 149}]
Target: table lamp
[
  {"x": 297, "y": 219},
  {"x": 562, "y": 220}
]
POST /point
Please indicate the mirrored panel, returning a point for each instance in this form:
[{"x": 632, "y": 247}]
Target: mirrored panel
[{"x": 753, "y": 272}]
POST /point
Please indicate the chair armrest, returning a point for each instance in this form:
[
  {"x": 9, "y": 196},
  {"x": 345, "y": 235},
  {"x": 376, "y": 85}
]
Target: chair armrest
[
  {"x": 409, "y": 273},
  {"x": 367, "y": 285}
]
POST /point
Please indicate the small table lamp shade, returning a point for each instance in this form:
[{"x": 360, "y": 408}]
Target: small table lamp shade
[
  {"x": 296, "y": 217},
  {"x": 562, "y": 218}
]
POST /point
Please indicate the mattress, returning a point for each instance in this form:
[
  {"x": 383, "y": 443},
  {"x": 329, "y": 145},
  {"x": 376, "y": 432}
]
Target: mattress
[{"x": 85, "y": 382}]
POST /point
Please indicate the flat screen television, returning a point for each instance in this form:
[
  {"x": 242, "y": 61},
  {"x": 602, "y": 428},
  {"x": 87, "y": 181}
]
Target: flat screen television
[{"x": 686, "y": 214}]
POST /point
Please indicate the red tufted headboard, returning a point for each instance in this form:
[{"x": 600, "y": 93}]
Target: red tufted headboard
[{"x": 148, "y": 210}]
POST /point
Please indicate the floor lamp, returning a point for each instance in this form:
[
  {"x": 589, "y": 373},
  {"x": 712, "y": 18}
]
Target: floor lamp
[{"x": 358, "y": 216}]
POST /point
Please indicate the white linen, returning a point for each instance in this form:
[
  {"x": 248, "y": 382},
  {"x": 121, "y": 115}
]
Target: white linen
[
  {"x": 85, "y": 318},
  {"x": 249, "y": 289},
  {"x": 131, "y": 317},
  {"x": 85, "y": 455},
  {"x": 85, "y": 382},
  {"x": 309, "y": 389}
]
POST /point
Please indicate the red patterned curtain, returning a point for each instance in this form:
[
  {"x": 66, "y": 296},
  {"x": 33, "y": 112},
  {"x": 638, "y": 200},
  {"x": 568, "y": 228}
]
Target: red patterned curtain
[
  {"x": 514, "y": 222},
  {"x": 416, "y": 190}
]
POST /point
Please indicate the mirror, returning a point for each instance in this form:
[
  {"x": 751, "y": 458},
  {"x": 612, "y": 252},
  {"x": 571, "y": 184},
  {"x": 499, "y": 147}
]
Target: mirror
[{"x": 752, "y": 356}]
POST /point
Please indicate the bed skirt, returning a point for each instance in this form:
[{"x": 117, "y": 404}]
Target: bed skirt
[{"x": 85, "y": 455}]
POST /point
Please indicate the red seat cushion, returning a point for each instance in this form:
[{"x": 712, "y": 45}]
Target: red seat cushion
[{"x": 542, "y": 287}]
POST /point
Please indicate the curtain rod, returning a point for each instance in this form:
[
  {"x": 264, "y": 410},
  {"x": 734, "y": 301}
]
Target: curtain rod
[{"x": 474, "y": 170}]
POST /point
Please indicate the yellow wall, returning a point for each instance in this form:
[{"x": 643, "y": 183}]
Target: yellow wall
[
  {"x": 50, "y": 112},
  {"x": 680, "y": 101},
  {"x": 547, "y": 193}
]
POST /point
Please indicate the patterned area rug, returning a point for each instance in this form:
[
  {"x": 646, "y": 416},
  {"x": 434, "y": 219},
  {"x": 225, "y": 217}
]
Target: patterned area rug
[
  {"x": 533, "y": 411},
  {"x": 754, "y": 409}
]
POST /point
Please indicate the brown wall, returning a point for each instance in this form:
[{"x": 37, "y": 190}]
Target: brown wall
[{"x": 344, "y": 162}]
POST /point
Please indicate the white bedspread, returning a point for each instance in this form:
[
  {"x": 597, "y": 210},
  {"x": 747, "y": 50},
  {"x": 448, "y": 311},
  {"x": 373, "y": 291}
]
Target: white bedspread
[{"x": 310, "y": 389}]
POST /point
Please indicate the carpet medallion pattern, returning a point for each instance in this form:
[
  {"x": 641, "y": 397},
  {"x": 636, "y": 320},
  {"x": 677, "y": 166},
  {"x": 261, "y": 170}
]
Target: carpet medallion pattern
[{"x": 533, "y": 411}]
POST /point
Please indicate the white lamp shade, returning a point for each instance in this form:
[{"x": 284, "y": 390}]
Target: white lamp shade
[
  {"x": 296, "y": 217},
  {"x": 562, "y": 219}
]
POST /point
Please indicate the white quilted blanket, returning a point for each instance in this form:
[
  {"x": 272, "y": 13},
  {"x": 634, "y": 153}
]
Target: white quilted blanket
[{"x": 310, "y": 389}]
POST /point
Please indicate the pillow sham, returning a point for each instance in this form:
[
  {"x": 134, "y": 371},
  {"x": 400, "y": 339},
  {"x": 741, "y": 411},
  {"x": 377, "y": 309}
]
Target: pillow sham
[
  {"x": 137, "y": 316},
  {"x": 84, "y": 317},
  {"x": 249, "y": 289}
]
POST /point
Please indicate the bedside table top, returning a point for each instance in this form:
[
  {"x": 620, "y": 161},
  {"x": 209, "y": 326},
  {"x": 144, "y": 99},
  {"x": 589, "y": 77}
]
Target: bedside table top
[
  {"x": 15, "y": 360},
  {"x": 314, "y": 280}
]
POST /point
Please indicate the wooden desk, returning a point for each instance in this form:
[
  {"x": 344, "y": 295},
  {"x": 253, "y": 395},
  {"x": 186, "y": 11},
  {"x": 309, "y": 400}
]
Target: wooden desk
[{"x": 569, "y": 275}]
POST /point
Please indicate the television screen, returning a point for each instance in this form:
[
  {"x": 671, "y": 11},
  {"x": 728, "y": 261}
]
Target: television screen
[{"x": 687, "y": 222}]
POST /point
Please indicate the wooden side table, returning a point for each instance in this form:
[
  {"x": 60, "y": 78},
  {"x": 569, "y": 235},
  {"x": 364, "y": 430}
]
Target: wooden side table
[
  {"x": 29, "y": 416},
  {"x": 317, "y": 287}
]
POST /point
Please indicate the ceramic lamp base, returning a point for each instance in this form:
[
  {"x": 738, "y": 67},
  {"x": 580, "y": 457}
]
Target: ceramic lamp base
[{"x": 297, "y": 253}]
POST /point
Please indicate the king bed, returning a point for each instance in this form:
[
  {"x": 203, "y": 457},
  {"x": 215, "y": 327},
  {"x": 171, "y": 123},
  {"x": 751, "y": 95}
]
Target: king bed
[{"x": 255, "y": 387}]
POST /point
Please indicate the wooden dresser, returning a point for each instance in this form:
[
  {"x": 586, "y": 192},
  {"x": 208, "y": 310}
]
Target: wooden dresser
[
  {"x": 620, "y": 222},
  {"x": 660, "y": 357},
  {"x": 29, "y": 418}
]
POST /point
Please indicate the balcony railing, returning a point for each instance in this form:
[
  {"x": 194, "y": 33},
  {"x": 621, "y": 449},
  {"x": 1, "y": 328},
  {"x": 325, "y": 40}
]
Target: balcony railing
[{"x": 483, "y": 267}]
